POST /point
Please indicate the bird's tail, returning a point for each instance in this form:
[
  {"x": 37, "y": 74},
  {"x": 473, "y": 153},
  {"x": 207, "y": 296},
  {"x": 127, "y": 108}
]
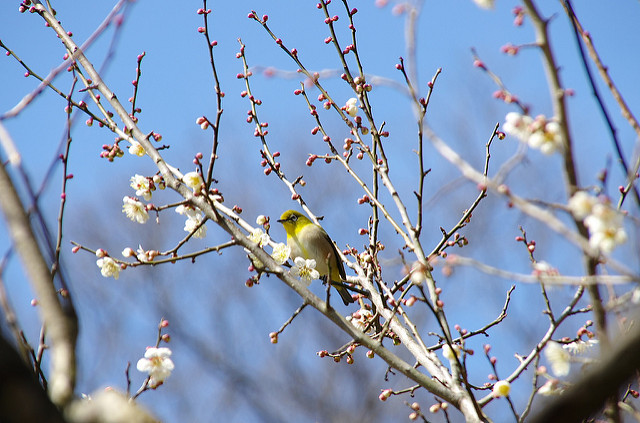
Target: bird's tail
[{"x": 344, "y": 294}]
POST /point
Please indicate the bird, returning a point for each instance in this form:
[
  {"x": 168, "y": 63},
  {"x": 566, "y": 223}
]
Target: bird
[{"x": 309, "y": 241}]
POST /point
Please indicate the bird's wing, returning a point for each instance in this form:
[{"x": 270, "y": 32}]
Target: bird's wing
[{"x": 343, "y": 275}]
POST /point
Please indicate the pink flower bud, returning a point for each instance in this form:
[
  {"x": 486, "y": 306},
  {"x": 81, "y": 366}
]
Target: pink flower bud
[{"x": 386, "y": 393}]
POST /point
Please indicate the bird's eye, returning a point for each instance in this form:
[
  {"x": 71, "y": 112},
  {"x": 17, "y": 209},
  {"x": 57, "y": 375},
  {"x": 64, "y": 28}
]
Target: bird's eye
[{"x": 294, "y": 218}]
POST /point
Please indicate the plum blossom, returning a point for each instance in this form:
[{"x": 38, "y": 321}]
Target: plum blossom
[
  {"x": 542, "y": 134},
  {"x": 451, "y": 353},
  {"x": 134, "y": 209},
  {"x": 485, "y": 4},
  {"x": 281, "y": 253},
  {"x": 581, "y": 204},
  {"x": 193, "y": 180},
  {"x": 361, "y": 318},
  {"x": 187, "y": 210},
  {"x": 305, "y": 269},
  {"x": 580, "y": 347},
  {"x": 518, "y": 125},
  {"x": 142, "y": 186},
  {"x": 108, "y": 267},
  {"x": 547, "y": 137},
  {"x": 159, "y": 182},
  {"x": 192, "y": 223},
  {"x": 351, "y": 107},
  {"x": 157, "y": 364},
  {"x": 128, "y": 252},
  {"x": 136, "y": 149},
  {"x": 194, "y": 217},
  {"x": 605, "y": 224},
  {"x": 145, "y": 256},
  {"x": 501, "y": 389},
  {"x": 418, "y": 273},
  {"x": 551, "y": 388},
  {"x": 259, "y": 237},
  {"x": 559, "y": 359},
  {"x": 542, "y": 268}
]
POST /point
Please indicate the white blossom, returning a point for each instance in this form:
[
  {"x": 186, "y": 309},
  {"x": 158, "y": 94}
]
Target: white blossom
[
  {"x": 108, "y": 267},
  {"x": 193, "y": 180},
  {"x": 157, "y": 364},
  {"x": 192, "y": 223},
  {"x": 450, "y": 353},
  {"x": 187, "y": 210},
  {"x": 418, "y": 274},
  {"x": 547, "y": 138},
  {"x": 142, "y": 186},
  {"x": 485, "y": 4},
  {"x": 361, "y": 318},
  {"x": 559, "y": 359},
  {"x": 159, "y": 182},
  {"x": 580, "y": 347},
  {"x": 605, "y": 224},
  {"x": 128, "y": 252},
  {"x": 581, "y": 204},
  {"x": 145, "y": 256},
  {"x": 501, "y": 389},
  {"x": 542, "y": 133},
  {"x": 305, "y": 269},
  {"x": 607, "y": 240},
  {"x": 518, "y": 125},
  {"x": 281, "y": 253},
  {"x": 605, "y": 227},
  {"x": 552, "y": 387},
  {"x": 194, "y": 217},
  {"x": 261, "y": 220},
  {"x": 136, "y": 149},
  {"x": 351, "y": 107},
  {"x": 259, "y": 237},
  {"x": 135, "y": 210},
  {"x": 542, "y": 268}
]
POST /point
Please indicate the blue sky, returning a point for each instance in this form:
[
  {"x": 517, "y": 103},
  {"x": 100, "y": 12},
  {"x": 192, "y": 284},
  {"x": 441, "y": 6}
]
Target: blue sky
[{"x": 176, "y": 88}]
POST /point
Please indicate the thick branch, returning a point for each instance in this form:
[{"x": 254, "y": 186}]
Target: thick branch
[
  {"x": 60, "y": 322},
  {"x": 600, "y": 382}
]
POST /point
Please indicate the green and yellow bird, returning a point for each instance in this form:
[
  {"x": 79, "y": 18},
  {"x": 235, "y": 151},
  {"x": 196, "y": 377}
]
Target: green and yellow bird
[{"x": 310, "y": 241}]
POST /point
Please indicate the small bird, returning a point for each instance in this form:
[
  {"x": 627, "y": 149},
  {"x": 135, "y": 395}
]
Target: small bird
[{"x": 310, "y": 241}]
